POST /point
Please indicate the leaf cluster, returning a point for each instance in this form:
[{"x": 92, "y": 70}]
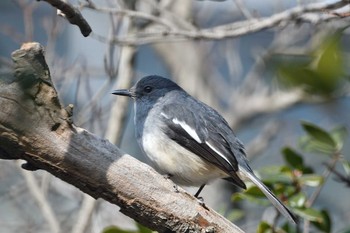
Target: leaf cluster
[{"x": 290, "y": 180}]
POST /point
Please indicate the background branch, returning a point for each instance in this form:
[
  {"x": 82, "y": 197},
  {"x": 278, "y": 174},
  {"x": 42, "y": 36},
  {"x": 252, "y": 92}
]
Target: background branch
[
  {"x": 72, "y": 14},
  {"x": 41, "y": 200},
  {"x": 171, "y": 33}
]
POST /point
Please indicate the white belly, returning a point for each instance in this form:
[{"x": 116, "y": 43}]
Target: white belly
[{"x": 185, "y": 168}]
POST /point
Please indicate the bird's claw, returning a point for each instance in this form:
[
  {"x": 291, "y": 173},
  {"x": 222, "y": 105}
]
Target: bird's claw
[
  {"x": 201, "y": 202},
  {"x": 168, "y": 176},
  {"x": 176, "y": 188}
]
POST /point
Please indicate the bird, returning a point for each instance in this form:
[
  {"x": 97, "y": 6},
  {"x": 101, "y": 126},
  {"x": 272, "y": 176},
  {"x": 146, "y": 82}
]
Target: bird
[{"x": 189, "y": 141}]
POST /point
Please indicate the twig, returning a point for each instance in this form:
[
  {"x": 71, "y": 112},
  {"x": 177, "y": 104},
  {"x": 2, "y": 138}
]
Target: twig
[
  {"x": 119, "y": 106},
  {"x": 339, "y": 177},
  {"x": 27, "y": 9},
  {"x": 326, "y": 173},
  {"x": 72, "y": 15},
  {"x": 84, "y": 215},
  {"x": 262, "y": 141},
  {"x": 171, "y": 15},
  {"x": 240, "y": 6},
  {"x": 132, "y": 14},
  {"x": 43, "y": 203}
]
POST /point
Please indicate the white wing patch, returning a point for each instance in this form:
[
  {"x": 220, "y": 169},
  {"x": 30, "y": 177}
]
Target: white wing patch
[
  {"x": 188, "y": 129},
  {"x": 164, "y": 115},
  {"x": 218, "y": 152}
]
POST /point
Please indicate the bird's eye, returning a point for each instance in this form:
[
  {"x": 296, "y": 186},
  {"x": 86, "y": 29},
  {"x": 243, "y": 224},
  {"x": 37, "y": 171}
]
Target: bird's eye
[{"x": 148, "y": 89}]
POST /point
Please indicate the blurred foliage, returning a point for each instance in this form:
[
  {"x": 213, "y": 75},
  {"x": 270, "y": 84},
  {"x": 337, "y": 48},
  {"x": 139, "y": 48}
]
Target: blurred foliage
[
  {"x": 114, "y": 229},
  {"x": 318, "y": 72},
  {"x": 290, "y": 180}
]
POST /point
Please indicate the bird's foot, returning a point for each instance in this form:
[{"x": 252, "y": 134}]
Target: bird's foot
[
  {"x": 201, "y": 202},
  {"x": 176, "y": 188},
  {"x": 168, "y": 176}
]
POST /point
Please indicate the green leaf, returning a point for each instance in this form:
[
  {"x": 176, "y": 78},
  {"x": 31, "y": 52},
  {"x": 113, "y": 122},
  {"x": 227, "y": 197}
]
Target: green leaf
[
  {"x": 347, "y": 230},
  {"x": 295, "y": 160},
  {"x": 328, "y": 60},
  {"x": 320, "y": 72},
  {"x": 325, "y": 225},
  {"x": 339, "y": 134},
  {"x": 235, "y": 215},
  {"x": 311, "y": 180},
  {"x": 264, "y": 227},
  {"x": 286, "y": 190},
  {"x": 292, "y": 158},
  {"x": 297, "y": 200},
  {"x": 319, "y": 134},
  {"x": 273, "y": 174},
  {"x": 290, "y": 228},
  {"x": 346, "y": 166},
  {"x": 114, "y": 229},
  {"x": 309, "y": 214},
  {"x": 252, "y": 194},
  {"x": 308, "y": 144},
  {"x": 143, "y": 229}
]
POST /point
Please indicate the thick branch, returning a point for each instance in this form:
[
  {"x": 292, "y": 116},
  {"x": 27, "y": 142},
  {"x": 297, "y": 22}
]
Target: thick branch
[{"x": 35, "y": 127}]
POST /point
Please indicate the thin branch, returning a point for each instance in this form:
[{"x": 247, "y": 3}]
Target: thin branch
[
  {"x": 326, "y": 173},
  {"x": 339, "y": 177},
  {"x": 119, "y": 107},
  {"x": 242, "y": 8},
  {"x": 40, "y": 198},
  {"x": 85, "y": 214},
  {"x": 262, "y": 141},
  {"x": 130, "y": 13},
  {"x": 170, "y": 14}
]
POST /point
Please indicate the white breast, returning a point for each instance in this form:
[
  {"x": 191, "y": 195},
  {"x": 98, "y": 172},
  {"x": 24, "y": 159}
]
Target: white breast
[{"x": 168, "y": 157}]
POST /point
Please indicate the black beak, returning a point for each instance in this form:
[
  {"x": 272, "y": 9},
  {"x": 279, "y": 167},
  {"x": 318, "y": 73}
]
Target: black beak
[{"x": 124, "y": 92}]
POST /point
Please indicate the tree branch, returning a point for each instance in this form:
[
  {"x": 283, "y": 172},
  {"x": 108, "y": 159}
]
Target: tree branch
[
  {"x": 35, "y": 127},
  {"x": 312, "y": 13},
  {"x": 72, "y": 14}
]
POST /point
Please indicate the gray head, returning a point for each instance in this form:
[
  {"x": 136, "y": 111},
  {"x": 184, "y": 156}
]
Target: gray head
[
  {"x": 146, "y": 93},
  {"x": 149, "y": 88}
]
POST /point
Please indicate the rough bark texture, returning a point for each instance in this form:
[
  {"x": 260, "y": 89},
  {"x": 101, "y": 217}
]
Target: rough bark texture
[{"x": 35, "y": 127}]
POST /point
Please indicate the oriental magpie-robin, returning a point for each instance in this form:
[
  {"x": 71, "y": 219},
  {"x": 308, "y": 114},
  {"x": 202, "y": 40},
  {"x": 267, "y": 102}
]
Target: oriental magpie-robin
[{"x": 188, "y": 140}]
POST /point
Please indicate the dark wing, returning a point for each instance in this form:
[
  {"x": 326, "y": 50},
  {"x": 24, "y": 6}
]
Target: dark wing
[{"x": 202, "y": 136}]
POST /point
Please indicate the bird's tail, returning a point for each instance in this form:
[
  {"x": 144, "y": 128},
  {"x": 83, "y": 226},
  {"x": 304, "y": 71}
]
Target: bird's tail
[{"x": 274, "y": 200}]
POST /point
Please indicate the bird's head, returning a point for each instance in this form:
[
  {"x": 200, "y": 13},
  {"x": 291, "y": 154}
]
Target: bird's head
[{"x": 150, "y": 88}]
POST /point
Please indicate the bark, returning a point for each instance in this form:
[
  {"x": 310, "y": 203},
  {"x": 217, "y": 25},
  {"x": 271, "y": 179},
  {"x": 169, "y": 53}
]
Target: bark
[{"x": 35, "y": 127}]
